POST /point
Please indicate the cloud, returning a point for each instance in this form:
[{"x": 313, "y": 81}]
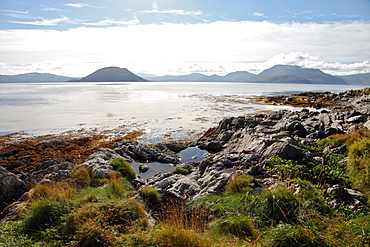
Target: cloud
[
  {"x": 13, "y": 11},
  {"x": 172, "y": 11},
  {"x": 306, "y": 60},
  {"x": 40, "y": 21},
  {"x": 80, "y": 5},
  {"x": 260, "y": 14},
  {"x": 110, "y": 22},
  {"x": 340, "y": 47},
  {"x": 75, "y": 5},
  {"x": 46, "y": 8},
  {"x": 299, "y": 12}
]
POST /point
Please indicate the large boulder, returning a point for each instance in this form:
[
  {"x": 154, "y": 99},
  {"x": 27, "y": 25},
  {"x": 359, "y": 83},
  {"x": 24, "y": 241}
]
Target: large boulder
[
  {"x": 12, "y": 188},
  {"x": 285, "y": 150}
]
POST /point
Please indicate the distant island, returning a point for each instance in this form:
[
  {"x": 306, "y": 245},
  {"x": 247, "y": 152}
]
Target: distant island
[
  {"x": 276, "y": 74},
  {"x": 111, "y": 74}
]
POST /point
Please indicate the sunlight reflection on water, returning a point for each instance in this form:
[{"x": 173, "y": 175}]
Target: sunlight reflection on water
[{"x": 159, "y": 108}]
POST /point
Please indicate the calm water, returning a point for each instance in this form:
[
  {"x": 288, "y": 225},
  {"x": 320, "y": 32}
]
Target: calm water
[{"x": 158, "y": 108}]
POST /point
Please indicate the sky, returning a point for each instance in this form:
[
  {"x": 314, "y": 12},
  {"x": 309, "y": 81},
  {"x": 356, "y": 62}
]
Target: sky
[{"x": 176, "y": 37}]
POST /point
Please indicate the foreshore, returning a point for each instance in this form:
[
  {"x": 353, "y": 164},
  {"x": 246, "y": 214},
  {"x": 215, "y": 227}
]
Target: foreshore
[{"x": 343, "y": 112}]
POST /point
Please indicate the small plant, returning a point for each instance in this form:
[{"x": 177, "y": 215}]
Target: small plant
[
  {"x": 287, "y": 169},
  {"x": 180, "y": 170},
  {"x": 44, "y": 214},
  {"x": 123, "y": 167},
  {"x": 118, "y": 186},
  {"x": 358, "y": 166},
  {"x": 151, "y": 195},
  {"x": 239, "y": 184},
  {"x": 239, "y": 226},
  {"x": 289, "y": 235},
  {"x": 81, "y": 176}
]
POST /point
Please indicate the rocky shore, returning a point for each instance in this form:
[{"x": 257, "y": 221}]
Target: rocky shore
[{"x": 238, "y": 145}]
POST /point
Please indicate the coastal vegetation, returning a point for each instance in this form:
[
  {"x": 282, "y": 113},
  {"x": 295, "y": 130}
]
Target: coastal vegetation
[
  {"x": 253, "y": 191},
  {"x": 80, "y": 211}
]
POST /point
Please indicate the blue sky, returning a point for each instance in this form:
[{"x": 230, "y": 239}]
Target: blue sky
[{"x": 183, "y": 36}]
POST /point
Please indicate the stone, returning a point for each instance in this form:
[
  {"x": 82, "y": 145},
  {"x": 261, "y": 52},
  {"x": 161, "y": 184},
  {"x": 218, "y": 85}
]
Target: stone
[
  {"x": 143, "y": 168},
  {"x": 285, "y": 150},
  {"x": 12, "y": 188}
]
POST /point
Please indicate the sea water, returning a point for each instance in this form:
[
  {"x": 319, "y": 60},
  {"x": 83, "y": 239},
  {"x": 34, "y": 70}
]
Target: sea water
[{"x": 160, "y": 109}]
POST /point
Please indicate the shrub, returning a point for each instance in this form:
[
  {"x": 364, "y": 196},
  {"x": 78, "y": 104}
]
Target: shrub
[
  {"x": 289, "y": 235},
  {"x": 170, "y": 236},
  {"x": 287, "y": 169},
  {"x": 239, "y": 184},
  {"x": 123, "y": 167},
  {"x": 180, "y": 170},
  {"x": 44, "y": 214},
  {"x": 358, "y": 166},
  {"x": 81, "y": 176},
  {"x": 118, "y": 186},
  {"x": 239, "y": 226},
  {"x": 151, "y": 195}
]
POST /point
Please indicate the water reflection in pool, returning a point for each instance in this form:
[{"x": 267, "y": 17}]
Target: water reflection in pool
[{"x": 186, "y": 155}]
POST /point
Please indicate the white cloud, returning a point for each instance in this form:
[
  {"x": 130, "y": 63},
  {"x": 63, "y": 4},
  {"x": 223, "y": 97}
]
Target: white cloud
[
  {"x": 13, "y": 11},
  {"x": 75, "y": 5},
  {"x": 80, "y": 5},
  {"x": 174, "y": 48},
  {"x": 43, "y": 22},
  {"x": 260, "y": 14},
  {"x": 172, "y": 11},
  {"x": 110, "y": 22},
  {"x": 306, "y": 60}
]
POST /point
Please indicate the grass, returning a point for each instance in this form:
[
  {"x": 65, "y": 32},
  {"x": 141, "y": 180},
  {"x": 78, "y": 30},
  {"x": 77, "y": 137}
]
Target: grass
[
  {"x": 150, "y": 195},
  {"x": 123, "y": 167},
  {"x": 81, "y": 211},
  {"x": 180, "y": 170}
]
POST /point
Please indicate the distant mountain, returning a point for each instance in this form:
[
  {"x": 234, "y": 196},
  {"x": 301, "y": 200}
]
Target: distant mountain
[
  {"x": 285, "y": 79},
  {"x": 239, "y": 76},
  {"x": 359, "y": 79},
  {"x": 289, "y": 73},
  {"x": 275, "y": 74},
  {"x": 34, "y": 77},
  {"x": 194, "y": 77},
  {"x": 111, "y": 74}
]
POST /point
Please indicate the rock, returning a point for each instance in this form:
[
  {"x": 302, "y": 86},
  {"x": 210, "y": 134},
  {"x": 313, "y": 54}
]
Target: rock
[
  {"x": 12, "y": 188},
  {"x": 211, "y": 146},
  {"x": 51, "y": 169},
  {"x": 143, "y": 152},
  {"x": 286, "y": 151},
  {"x": 216, "y": 186},
  {"x": 98, "y": 162},
  {"x": 185, "y": 186},
  {"x": 356, "y": 119},
  {"x": 344, "y": 196},
  {"x": 367, "y": 124},
  {"x": 143, "y": 168}
]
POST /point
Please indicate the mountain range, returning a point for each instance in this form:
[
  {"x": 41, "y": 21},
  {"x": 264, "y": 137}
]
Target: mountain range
[
  {"x": 34, "y": 77},
  {"x": 275, "y": 74}
]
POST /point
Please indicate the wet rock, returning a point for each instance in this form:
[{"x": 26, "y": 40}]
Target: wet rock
[
  {"x": 143, "y": 168},
  {"x": 143, "y": 152}
]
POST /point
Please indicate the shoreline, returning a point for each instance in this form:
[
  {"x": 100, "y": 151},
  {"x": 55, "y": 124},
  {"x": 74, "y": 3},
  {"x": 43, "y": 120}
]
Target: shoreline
[{"x": 21, "y": 152}]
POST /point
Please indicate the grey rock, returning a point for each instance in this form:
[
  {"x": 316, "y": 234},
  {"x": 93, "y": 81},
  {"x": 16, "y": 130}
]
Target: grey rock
[
  {"x": 186, "y": 186},
  {"x": 11, "y": 186},
  {"x": 285, "y": 150},
  {"x": 98, "y": 162}
]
